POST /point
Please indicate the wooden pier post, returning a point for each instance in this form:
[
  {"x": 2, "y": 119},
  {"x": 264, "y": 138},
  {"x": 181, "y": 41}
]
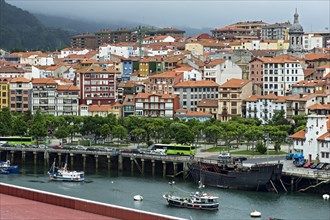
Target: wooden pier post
[
  {"x": 96, "y": 162},
  {"x": 292, "y": 183},
  {"x": 164, "y": 168},
  {"x": 120, "y": 162},
  {"x": 142, "y": 169},
  {"x": 71, "y": 160},
  {"x": 12, "y": 156},
  {"x": 109, "y": 162},
  {"x": 46, "y": 159},
  {"x": 23, "y": 156},
  {"x": 132, "y": 166},
  {"x": 185, "y": 169},
  {"x": 175, "y": 168},
  {"x": 34, "y": 158},
  {"x": 84, "y": 161},
  {"x": 153, "y": 167},
  {"x": 59, "y": 158}
]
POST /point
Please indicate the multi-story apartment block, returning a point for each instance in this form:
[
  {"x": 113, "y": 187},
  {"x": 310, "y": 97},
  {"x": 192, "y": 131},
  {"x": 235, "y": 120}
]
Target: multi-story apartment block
[
  {"x": 306, "y": 86},
  {"x": 155, "y": 105},
  {"x": 298, "y": 104},
  {"x": 221, "y": 70},
  {"x": 4, "y": 92},
  {"x": 20, "y": 94},
  {"x": 278, "y": 74},
  {"x": 189, "y": 73},
  {"x": 312, "y": 41},
  {"x": 121, "y": 49},
  {"x": 128, "y": 105},
  {"x": 67, "y": 100},
  {"x": 70, "y": 51},
  {"x": 36, "y": 58},
  {"x": 150, "y": 65},
  {"x": 192, "y": 92},
  {"x": 208, "y": 106},
  {"x": 264, "y": 107},
  {"x": 11, "y": 72},
  {"x": 44, "y": 96},
  {"x": 86, "y": 41},
  {"x": 231, "y": 95},
  {"x": 172, "y": 62},
  {"x": 163, "y": 83},
  {"x": 97, "y": 85},
  {"x": 277, "y": 31},
  {"x": 314, "y": 140}
]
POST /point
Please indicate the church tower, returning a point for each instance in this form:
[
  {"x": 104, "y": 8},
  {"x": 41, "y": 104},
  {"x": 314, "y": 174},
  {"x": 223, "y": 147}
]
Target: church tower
[{"x": 296, "y": 33}]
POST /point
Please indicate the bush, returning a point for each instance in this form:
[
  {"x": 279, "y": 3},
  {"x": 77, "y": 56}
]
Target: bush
[
  {"x": 149, "y": 143},
  {"x": 166, "y": 141},
  {"x": 261, "y": 148}
]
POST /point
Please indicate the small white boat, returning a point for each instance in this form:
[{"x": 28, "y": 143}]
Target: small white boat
[
  {"x": 255, "y": 214},
  {"x": 63, "y": 174},
  {"x": 138, "y": 198}
]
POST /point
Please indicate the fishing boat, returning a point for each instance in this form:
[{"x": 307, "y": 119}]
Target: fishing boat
[
  {"x": 258, "y": 177},
  {"x": 6, "y": 167},
  {"x": 198, "y": 200},
  {"x": 64, "y": 174}
]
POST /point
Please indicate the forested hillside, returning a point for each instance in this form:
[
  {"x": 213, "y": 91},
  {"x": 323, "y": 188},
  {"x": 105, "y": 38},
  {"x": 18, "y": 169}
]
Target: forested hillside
[{"x": 20, "y": 30}]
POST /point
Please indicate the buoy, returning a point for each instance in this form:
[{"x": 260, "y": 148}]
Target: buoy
[
  {"x": 326, "y": 197},
  {"x": 138, "y": 198},
  {"x": 255, "y": 214}
]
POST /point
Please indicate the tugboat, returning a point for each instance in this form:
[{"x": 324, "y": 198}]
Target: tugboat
[
  {"x": 197, "y": 200},
  {"x": 63, "y": 174}
]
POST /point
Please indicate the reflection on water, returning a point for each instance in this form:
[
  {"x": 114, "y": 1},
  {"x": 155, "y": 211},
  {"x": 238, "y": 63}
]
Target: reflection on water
[{"x": 120, "y": 188}]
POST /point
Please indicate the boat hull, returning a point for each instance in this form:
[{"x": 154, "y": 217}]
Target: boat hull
[
  {"x": 255, "y": 178},
  {"x": 192, "y": 205}
]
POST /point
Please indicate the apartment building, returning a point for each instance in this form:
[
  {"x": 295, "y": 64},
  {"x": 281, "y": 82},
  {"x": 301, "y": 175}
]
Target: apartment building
[
  {"x": 264, "y": 107},
  {"x": 4, "y": 92},
  {"x": 97, "y": 85},
  {"x": 307, "y": 86},
  {"x": 163, "y": 83},
  {"x": 191, "y": 93},
  {"x": 221, "y": 70},
  {"x": 20, "y": 90},
  {"x": 67, "y": 100},
  {"x": 44, "y": 91},
  {"x": 156, "y": 105},
  {"x": 85, "y": 41},
  {"x": 11, "y": 72},
  {"x": 209, "y": 106},
  {"x": 277, "y": 31},
  {"x": 231, "y": 96}
]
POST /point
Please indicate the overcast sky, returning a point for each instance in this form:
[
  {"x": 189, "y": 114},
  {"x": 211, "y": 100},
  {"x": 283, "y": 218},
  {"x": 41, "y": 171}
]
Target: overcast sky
[{"x": 313, "y": 15}]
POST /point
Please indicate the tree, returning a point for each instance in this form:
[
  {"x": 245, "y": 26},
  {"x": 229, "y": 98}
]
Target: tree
[
  {"x": 38, "y": 128},
  {"x": 279, "y": 118},
  {"x": 20, "y": 126},
  {"x": 261, "y": 148},
  {"x": 119, "y": 132},
  {"x": 138, "y": 134},
  {"x": 61, "y": 133},
  {"x": 184, "y": 135},
  {"x": 6, "y": 123},
  {"x": 213, "y": 132}
]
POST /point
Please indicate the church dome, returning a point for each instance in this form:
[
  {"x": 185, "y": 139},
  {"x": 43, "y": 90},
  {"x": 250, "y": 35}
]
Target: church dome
[{"x": 296, "y": 27}]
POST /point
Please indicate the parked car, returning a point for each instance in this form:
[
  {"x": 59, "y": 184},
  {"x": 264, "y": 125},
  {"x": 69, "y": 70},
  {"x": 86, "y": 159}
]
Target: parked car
[
  {"x": 57, "y": 146},
  {"x": 327, "y": 167},
  {"x": 307, "y": 165},
  {"x": 314, "y": 166},
  {"x": 80, "y": 147},
  {"x": 224, "y": 156},
  {"x": 320, "y": 166}
]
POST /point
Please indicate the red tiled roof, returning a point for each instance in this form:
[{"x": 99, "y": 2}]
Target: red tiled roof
[
  {"x": 299, "y": 135},
  {"x": 199, "y": 83},
  {"x": 235, "y": 83},
  {"x": 44, "y": 81}
]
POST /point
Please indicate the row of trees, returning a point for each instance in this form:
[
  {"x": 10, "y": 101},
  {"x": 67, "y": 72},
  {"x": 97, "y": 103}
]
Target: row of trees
[{"x": 144, "y": 130}]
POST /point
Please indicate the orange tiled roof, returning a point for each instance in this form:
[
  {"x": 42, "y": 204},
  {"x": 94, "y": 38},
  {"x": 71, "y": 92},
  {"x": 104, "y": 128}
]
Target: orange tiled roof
[
  {"x": 99, "y": 108},
  {"x": 194, "y": 114},
  {"x": 215, "y": 62},
  {"x": 67, "y": 88},
  {"x": 319, "y": 106},
  {"x": 235, "y": 83},
  {"x": 168, "y": 74},
  {"x": 252, "y": 98},
  {"x": 208, "y": 103},
  {"x": 147, "y": 95},
  {"x": 199, "y": 83},
  {"x": 299, "y": 135},
  {"x": 44, "y": 81},
  {"x": 316, "y": 56},
  {"x": 324, "y": 136},
  {"x": 19, "y": 79}
]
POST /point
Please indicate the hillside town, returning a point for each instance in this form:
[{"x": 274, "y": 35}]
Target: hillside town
[{"x": 249, "y": 69}]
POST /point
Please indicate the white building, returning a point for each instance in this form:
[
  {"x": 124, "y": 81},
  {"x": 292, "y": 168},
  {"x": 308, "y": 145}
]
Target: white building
[
  {"x": 120, "y": 49},
  {"x": 189, "y": 73},
  {"x": 264, "y": 107},
  {"x": 36, "y": 58},
  {"x": 280, "y": 74},
  {"x": 70, "y": 51},
  {"x": 157, "y": 39},
  {"x": 314, "y": 141},
  {"x": 311, "y": 41},
  {"x": 221, "y": 70}
]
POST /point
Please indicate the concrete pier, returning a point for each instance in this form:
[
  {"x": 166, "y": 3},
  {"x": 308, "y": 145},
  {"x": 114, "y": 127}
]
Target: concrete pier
[{"x": 153, "y": 167}]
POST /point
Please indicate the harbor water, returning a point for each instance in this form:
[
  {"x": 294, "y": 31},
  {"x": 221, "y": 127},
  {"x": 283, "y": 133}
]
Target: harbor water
[{"x": 119, "y": 189}]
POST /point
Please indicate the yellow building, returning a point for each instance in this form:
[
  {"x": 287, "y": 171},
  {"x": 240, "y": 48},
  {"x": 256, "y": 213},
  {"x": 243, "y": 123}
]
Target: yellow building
[
  {"x": 195, "y": 47},
  {"x": 4, "y": 92}
]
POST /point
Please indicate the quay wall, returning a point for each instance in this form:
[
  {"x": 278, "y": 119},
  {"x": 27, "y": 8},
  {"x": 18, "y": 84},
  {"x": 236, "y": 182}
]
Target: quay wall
[{"x": 81, "y": 204}]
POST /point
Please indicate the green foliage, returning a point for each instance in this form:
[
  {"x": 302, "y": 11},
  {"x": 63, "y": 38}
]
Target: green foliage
[
  {"x": 149, "y": 143},
  {"x": 6, "y": 123},
  {"x": 261, "y": 148},
  {"x": 20, "y": 29},
  {"x": 166, "y": 141},
  {"x": 38, "y": 128},
  {"x": 184, "y": 136},
  {"x": 279, "y": 118}
]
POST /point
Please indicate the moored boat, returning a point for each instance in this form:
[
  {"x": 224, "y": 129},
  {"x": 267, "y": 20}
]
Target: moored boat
[
  {"x": 6, "y": 167},
  {"x": 63, "y": 174},
  {"x": 257, "y": 177}
]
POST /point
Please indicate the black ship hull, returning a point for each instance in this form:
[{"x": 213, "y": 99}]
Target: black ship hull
[{"x": 254, "y": 178}]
